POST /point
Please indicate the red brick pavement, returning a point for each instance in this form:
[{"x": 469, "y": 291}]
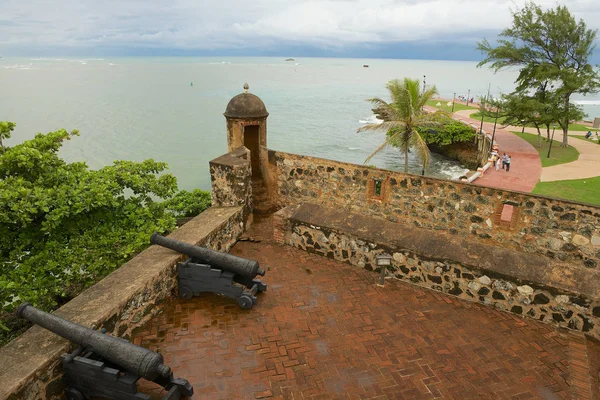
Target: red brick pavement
[
  {"x": 526, "y": 167},
  {"x": 324, "y": 330}
]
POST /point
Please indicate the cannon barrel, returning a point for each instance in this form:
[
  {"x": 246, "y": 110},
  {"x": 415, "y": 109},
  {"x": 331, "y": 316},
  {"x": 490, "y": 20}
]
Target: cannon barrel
[
  {"x": 227, "y": 262},
  {"x": 135, "y": 359}
]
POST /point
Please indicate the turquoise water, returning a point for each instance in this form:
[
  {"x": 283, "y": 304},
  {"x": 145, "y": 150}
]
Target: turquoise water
[{"x": 138, "y": 108}]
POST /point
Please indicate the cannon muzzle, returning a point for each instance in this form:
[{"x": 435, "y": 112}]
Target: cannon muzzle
[
  {"x": 227, "y": 262},
  {"x": 133, "y": 358}
]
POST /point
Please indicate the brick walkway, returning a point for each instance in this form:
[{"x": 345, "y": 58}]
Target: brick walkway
[
  {"x": 526, "y": 167},
  {"x": 324, "y": 330}
]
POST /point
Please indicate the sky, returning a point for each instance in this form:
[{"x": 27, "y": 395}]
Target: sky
[{"x": 421, "y": 29}]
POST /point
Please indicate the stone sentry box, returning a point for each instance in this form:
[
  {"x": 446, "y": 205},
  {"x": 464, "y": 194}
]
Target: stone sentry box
[{"x": 525, "y": 284}]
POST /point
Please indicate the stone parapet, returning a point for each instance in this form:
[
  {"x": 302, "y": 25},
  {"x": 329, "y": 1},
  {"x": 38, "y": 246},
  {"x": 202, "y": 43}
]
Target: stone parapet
[
  {"x": 525, "y": 284},
  {"x": 559, "y": 230},
  {"x": 231, "y": 178},
  {"x": 124, "y": 300}
]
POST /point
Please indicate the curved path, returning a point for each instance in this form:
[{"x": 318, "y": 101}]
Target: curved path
[
  {"x": 586, "y": 166},
  {"x": 526, "y": 167}
]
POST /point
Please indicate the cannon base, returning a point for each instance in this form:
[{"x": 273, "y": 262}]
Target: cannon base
[
  {"x": 88, "y": 376},
  {"x": 196, "y": 278}
]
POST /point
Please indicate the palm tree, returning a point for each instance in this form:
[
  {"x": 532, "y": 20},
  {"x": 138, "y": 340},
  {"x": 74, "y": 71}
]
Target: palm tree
[{"x": 402, "y": 116}]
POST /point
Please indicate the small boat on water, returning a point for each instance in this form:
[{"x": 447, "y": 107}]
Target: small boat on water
[
  {"x": 366, "y": 66},
  {"x": 290, "y": 59}
]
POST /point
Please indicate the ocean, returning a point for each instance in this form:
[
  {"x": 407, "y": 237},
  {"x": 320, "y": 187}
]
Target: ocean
[{"x": 139, "y": 108}]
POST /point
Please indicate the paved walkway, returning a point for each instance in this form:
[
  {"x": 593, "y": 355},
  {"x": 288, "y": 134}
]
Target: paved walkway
[
  {"x": 324, "y": 330},
  {"x": 526, "y": 167},
  {"x": 586, "y": 166}
]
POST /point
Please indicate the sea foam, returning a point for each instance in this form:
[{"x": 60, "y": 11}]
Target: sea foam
[{"x": 370, "y": 120}]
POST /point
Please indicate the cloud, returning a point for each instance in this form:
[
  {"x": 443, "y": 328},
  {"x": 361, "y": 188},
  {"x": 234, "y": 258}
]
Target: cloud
[{"x": 239, "y": 24}]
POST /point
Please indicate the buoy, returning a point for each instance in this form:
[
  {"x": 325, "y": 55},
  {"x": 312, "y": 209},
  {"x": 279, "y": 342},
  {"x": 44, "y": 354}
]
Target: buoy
[{"x": 191, "y": 83}]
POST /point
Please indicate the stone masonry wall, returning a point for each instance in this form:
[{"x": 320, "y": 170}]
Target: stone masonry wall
[
  {"x": 534, "y": 300},
  {"x": 231, "y": 178},
  {"x": 124, "y": 300},
  {"x": 557, "y": 229}
]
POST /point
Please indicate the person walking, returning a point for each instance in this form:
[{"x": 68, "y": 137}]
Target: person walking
[
  {"x": 504, "y": 158},
  {"x": 508, "y": 163},
  {"x": 498, "y": 162}
]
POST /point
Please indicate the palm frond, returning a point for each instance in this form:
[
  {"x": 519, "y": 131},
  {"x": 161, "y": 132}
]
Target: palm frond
[
  {"x": 418, "y": 143},
  {"x": 378, "y": 102},
  {"x": 384, "y": 126},
  {"x": 385, "y": 144}
]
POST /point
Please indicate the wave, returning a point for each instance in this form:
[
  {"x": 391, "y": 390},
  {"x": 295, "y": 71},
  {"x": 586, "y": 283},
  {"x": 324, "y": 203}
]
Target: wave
[
  {"x": 587, "y": 102},
  {"x": 353, "y": 148},
  {"x": 453, "y": 171},
  {"x": 370, "y": 120}
]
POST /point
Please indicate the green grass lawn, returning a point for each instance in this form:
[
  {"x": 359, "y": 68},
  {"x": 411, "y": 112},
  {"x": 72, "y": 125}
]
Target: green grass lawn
[
  {"x": 445, "y": 107},
  {"x": 583, "y": 190},
  {"x": 582, "y": 128},
  {"x": 558, "y": 155},
  {"x": 592, "y": 140},
  {"x": 477, "y": 116}
]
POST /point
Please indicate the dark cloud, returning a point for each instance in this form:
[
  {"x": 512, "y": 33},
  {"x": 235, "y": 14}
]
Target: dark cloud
[{"x": 234, "y": 26}]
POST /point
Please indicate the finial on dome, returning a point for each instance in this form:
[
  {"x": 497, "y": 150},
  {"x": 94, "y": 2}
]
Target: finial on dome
[{"x": 246, "y": 87}]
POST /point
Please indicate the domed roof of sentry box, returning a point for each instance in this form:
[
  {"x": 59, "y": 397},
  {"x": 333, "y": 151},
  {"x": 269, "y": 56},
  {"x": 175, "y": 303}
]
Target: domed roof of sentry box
[{"x": 246, "y": 106}]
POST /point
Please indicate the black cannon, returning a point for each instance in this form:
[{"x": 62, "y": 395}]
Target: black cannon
[
  {"x": 212, "y": 271},
  {"x": 106, "y": 366}
]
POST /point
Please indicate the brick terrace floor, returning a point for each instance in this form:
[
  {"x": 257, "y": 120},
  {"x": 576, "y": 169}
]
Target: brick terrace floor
[{"x": 324, "y": 330}]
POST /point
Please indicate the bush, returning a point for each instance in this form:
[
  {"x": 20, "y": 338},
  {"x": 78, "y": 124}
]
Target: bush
[
  {"x": 188, "y": 204},
  {"x": 450, "y": 133},
  {"x": 63, "y": 227}
]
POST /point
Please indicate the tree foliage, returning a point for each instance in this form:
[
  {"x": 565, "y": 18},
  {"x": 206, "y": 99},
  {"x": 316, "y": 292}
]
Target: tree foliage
[
  {"x": 450, "y": 132},
  {"x": 63, "y": 227},
  {"x": 402, "y": 116},
  {"x": 5, "y": 130},
  {"x": 553, "y": 51}
]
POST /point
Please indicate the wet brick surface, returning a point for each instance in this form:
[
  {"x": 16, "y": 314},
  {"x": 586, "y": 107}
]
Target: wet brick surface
[{"x": 324, "y": 330}]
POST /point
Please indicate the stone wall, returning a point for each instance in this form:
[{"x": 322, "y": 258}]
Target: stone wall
[
  {"x": 557, "y": 229},
  {"x": 124, "y": 300},
  {"x": 506, "y": 279},
  {"x": 231, "y": 179}
]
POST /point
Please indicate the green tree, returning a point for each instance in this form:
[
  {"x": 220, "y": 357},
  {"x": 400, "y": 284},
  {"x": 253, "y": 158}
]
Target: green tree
[
  {"x": 5, "y": 130},
  {"x": 550, "y": 46},
  {"x": 450, "y": 132},
  {"x": 63, "y": 227},
  {"x": 402, "y": 116}
]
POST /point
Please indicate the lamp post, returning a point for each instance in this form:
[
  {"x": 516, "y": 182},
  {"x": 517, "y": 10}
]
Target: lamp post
[
  {"x": 482, "y": 115},
  {"x": 468, "y": 96},
  {"x": 453, "y": 99},
  {"x": 382, "y": 260},
  {"x": 551, "y": 140},
  {"x": 424, "y": 85},
  {"x": 494, "y": 132}
]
